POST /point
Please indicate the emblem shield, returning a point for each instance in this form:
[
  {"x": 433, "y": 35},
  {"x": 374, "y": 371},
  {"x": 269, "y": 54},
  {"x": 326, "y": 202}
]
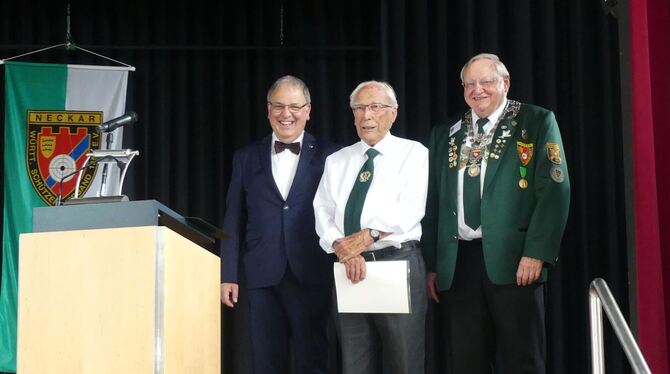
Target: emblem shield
[
  {"x": 525, "y": 152},
  {"x": 56, "y": 145}
]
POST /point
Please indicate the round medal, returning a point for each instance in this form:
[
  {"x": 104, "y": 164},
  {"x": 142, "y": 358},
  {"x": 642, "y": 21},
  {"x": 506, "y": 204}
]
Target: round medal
[
  {"x": 473, "y": 170},
  {"x": 523, "y": 183}
]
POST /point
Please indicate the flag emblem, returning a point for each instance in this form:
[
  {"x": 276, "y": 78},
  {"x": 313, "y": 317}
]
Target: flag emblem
[{"x": 56, "y": 145}]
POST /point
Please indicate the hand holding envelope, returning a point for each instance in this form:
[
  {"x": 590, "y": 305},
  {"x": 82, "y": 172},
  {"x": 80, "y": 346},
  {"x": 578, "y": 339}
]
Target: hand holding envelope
[{"x": 355, "y": 269}]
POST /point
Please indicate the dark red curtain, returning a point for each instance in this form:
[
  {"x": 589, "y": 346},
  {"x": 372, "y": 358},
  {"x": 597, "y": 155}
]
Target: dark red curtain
[{"x": 650, "y": 59}]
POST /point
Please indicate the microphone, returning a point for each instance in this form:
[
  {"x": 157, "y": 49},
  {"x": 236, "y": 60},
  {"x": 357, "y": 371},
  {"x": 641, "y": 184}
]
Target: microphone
[{"x": 115, "y": 123}]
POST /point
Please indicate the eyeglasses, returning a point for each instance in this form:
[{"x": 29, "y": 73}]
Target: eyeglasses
[
  {"x": 374, "y": 107},
  {"x": 484, "y": 83},
  {"x": 293, "y": 108}
]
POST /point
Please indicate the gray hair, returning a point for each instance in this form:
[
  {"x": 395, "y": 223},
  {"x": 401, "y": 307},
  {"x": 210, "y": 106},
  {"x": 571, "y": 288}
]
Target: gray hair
[
  {"x": 500, "y": 67},
  {"x": 388, "y": 90},
  {"x": 292, "y": 81}
]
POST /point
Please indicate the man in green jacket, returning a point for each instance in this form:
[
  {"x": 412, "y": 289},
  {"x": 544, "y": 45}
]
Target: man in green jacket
[{"x": 498, "y": 200}]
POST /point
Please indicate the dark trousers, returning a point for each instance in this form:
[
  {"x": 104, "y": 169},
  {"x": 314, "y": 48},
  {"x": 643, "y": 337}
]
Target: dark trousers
[
  {"x": 290, "y": 316},
  {"x": 491, "y": 325},
  {"x": 394, "y": 342}
]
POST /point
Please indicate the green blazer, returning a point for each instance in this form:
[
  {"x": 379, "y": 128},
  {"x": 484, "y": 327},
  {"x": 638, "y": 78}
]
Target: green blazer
[{"x": 515, "y": 221}]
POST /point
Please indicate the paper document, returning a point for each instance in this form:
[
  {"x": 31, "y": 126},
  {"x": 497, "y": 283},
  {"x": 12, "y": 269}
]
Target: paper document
[{"x": 385, "y": 288}]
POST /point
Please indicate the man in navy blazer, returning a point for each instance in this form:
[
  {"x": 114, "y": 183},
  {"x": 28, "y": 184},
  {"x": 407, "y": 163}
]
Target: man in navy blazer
[{"x": 270, "y": 222}]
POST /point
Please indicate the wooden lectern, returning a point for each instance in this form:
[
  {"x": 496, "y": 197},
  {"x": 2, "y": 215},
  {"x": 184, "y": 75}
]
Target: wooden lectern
[{"x": 137, "y": 299}]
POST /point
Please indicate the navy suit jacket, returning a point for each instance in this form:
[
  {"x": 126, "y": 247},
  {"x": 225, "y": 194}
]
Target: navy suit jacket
[{"x": 266, "y": 232}]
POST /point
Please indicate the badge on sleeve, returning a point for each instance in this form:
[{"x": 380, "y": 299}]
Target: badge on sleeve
[
  {"x": 554, "y": 153},
  {"x": 557, "y": 174}
]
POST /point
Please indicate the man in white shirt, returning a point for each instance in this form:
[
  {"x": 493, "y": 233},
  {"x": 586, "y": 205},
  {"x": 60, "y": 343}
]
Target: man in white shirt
[
  {"x": 369, "y": 207},
  {"x": 271, "y": 240}
]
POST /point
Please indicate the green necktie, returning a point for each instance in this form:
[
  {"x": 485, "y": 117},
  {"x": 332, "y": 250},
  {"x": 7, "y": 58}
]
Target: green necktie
[
  {"x": 472, "y": 200},
  {"x": 352, "y": 212}
]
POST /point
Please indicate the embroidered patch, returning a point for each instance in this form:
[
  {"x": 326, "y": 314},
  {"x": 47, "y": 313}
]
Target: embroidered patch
[
  {"x": 554, "y": 153},
  {"x": 557, "y": 174}
]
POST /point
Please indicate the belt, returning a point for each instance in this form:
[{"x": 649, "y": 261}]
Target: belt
[
  {"x": 475, "y": 243},
  {"x": 380, "y": 254}
]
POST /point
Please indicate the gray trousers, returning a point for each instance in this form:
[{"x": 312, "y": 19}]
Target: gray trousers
[{"x": 374, "y": 343}]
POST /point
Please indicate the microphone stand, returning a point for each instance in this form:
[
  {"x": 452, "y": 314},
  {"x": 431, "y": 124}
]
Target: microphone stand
[
  {"x": 108, "y": 128},
  {"x": 59, "y": 197},
  {"x": 103, "y": 178}
]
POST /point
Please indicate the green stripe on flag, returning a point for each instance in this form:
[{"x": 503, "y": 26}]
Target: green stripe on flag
[{"x": 27, "y": 86}]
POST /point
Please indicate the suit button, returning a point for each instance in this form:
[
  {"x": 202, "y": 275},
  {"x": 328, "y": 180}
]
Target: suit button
[
  {"x": 453, "y": 212},
  {"x": 455, "y": 237},
  {"x": 285, "y": 207}
]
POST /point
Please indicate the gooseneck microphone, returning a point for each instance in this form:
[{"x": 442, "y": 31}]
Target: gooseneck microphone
[{"x": 115, "y": 123}]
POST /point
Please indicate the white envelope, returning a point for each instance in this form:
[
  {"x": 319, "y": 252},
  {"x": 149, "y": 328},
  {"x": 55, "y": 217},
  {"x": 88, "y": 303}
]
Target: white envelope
[{"x": 385, "y": 288}]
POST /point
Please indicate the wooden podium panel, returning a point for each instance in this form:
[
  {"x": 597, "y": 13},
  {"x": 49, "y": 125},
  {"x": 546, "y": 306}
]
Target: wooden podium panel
[{"x": 119, "y": 300}]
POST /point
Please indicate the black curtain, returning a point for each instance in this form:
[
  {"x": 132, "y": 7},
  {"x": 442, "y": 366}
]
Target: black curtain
[
  {"x": 562, "y": 55},
  {"x": 203, "y": 69}
]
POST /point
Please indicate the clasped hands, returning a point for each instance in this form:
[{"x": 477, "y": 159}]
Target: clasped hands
[{"x": 348, "y": 251}]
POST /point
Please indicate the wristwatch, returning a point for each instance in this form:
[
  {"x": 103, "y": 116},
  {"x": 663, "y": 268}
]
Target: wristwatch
[{"x": 374, "y": 234}]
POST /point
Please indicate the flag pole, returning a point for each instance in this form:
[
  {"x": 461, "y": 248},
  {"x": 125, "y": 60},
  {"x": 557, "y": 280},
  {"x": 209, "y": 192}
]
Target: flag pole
[{"x": 69, "y": 45}]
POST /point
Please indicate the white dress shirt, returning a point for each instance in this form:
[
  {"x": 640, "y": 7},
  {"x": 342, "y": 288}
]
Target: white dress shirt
[
  {"x": 464, "y": 231},
  {"x": 395, "y": 202},
  {"x": 284, "y": 165}
]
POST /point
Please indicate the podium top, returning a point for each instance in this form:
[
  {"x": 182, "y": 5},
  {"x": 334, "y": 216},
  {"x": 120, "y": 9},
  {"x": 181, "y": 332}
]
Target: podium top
[{"x": 125, "y": 214}]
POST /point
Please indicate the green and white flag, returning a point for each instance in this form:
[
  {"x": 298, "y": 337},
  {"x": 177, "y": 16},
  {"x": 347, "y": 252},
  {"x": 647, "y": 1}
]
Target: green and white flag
[{"x": 51, "y": 114}]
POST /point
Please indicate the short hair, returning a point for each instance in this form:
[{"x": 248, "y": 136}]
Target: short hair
[
  {"x": 500, "y": 67},
  {"x": 388, "y": 90},
  {"x": 290, "y": 81}
]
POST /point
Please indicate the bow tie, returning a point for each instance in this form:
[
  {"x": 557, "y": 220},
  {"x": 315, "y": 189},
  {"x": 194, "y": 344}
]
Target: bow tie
[{"x": 293, "y": 147}]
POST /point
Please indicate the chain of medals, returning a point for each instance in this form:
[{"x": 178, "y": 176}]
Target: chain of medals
[{"x": 472, "y": 156}]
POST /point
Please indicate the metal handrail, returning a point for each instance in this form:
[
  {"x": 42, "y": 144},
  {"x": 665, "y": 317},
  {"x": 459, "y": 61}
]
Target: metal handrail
[{"x": 600, "y": 297}]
